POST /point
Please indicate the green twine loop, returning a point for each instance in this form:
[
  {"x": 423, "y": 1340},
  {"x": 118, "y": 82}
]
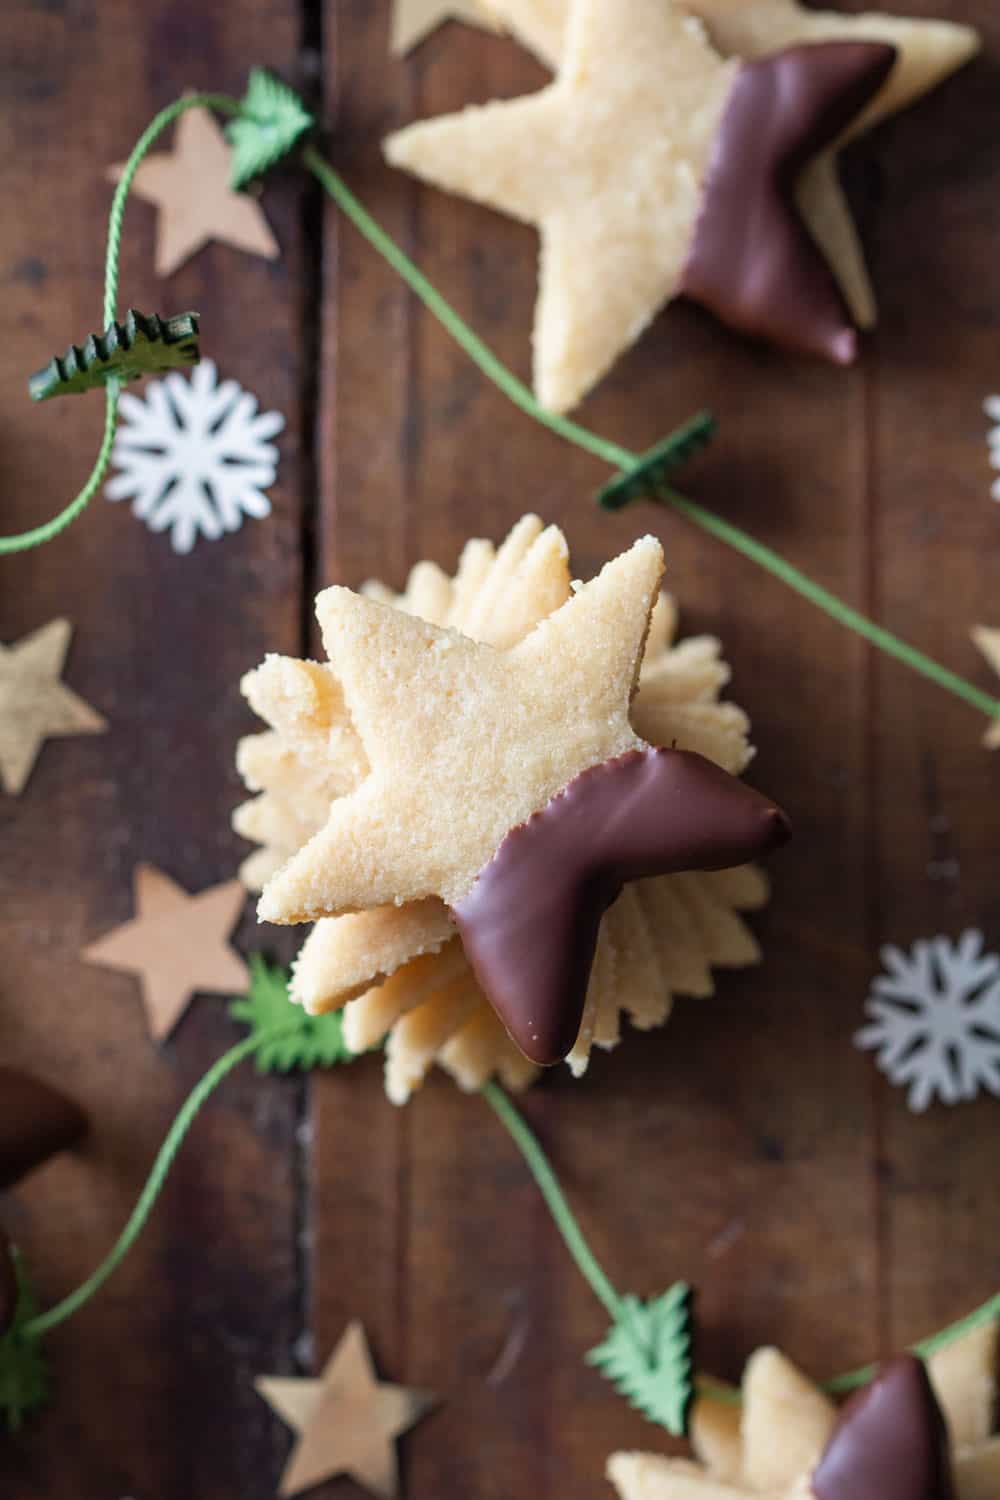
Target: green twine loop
[{"x": 46, "y": 532}]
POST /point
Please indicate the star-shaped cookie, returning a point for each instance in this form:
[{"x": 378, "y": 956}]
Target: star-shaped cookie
[
  {"x": 651, "y": 168},
  {"x": 914, "y": 1433},
  {"x": 346, "y": 1422},
  {"x": 927, "y": 52},
  {"x": 485, "y": 766},
  {"x": 413, "y": 20},
  {"x": 176, "y": 945},
  {"x": 190, "y": 187},
  {"x": 35, "y": 705}
]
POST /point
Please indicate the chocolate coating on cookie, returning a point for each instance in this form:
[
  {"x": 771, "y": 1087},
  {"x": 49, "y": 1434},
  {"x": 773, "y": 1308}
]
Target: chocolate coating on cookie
[
  {"x": 890, "y": 1443},
  {"x": 530, "y": 923},
  {"x": 36, "y": 1121},
  {"x": 752, "y": 260}
]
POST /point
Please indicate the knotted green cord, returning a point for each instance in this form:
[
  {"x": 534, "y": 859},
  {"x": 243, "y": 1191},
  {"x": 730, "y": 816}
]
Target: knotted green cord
[
  {"x": 50, "y": 529},
  {"x": 157, "y": 1177}
]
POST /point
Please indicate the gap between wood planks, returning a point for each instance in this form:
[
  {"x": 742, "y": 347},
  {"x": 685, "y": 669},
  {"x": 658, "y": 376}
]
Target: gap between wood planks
[{"x": 310, "y": 295}]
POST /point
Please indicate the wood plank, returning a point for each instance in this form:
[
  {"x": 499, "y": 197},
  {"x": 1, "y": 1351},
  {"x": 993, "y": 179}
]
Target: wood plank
[{"x": 153, "y": 1382}]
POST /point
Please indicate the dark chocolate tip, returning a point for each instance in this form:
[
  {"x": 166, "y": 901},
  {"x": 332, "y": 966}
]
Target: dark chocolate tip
[
  {"x": 752, "y": 260},
  {"x": 530, "y": 922},
  {"x": 9, "y": 1291},
  {"x": 890, "y": 1442},
  {"x": 36, "y": 1122}
]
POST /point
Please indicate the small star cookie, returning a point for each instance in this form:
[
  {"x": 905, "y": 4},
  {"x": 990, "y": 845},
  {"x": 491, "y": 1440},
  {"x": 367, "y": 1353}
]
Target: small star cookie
[
  {"x": 914, "y": 1433},
  {"x": 927, "y": 52},
  {"x": 484, "y": 767},
  {"x": 418, "y": 993},
  {"x": 653, "y": 168}
]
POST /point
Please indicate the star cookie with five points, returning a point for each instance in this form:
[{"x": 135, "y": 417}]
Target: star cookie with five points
[
  {"x": 926, "y": 53},
  {"x": 654, "y": 168},
  {"x": 176, "y": 945},
  {"x": 346, "y": 1422},
  {"x": 511, "y": 785},
  {"x": 35, "y": 705},
  {"x": 190, "y": 187}
]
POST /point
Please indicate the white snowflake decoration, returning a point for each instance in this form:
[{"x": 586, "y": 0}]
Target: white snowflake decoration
[
  {"x": 991, "y": 406},
  {"x": 935, "y": 1020},
  {"x": 195, "y": 456}
]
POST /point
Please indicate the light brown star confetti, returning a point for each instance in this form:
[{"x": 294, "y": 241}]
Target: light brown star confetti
[
  {"x": 988, "y": 642},
  {"x": 346, "y": 1422},
  {"x": 927, "y": 52},
  {"x": 176, "y": 945},
  {"x": 414, "y": 988},
  {"x": 35, "y": 705},
  {"x": 771, "y": 1445},
  {"x": 413, "y": 20},
  {"x": 190, "y": 187}
]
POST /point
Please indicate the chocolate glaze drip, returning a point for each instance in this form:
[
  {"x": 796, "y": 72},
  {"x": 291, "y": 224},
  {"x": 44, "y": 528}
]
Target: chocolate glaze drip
[
  {"x": 890, "y": 1442},
  {"x": 8, "y": 1285},
  {"x": 752, "y": 261},
  {"x": 530, "y": 922},
  {"x": 36, "y": 1121}
]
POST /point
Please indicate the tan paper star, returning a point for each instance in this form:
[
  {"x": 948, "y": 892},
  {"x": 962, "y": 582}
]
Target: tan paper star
[
  {"x": 190, "y": 187},
  {"x": 413, "y": 20},
  {"x": 988, "y": 642},
  {"x": 35, "y": 705},
  {"x": 927, "y": 52},
  {"x": 346, "y": 1422},
  {"x": 175, "y": 945}
]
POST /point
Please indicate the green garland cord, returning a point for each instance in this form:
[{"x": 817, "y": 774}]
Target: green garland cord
[
  {"x": 555, "y": 1201},
  {"x": 157, "y": 1177}
]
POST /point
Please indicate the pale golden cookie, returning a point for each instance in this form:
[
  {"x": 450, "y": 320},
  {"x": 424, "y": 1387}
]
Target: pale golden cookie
[
  {"x": 773, "y": 1445},
  {"x": 988, "y": 642},
  {"x": 928, "y": 51},
  {"x": 649, "y": 946}
]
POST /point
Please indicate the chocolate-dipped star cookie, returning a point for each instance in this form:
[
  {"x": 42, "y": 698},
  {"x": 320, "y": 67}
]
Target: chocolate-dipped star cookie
[
  {"x": 927, "y": 52},
  {"x": 401, "y": 970},
  {"x": 488, "y": 766},
  {"x": 914, "y": 1433},
  {"x": 653, "y": 168}
]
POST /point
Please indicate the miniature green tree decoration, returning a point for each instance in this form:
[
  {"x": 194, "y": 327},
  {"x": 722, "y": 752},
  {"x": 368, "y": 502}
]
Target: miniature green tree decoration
[
  {"x": 125, "y": 351},
  {"x": 271, "y": 120},
  {"x": 655, "y": 467},
  {"x": 317, "y": 1042},
  {"x": 647, "y": 1357}
]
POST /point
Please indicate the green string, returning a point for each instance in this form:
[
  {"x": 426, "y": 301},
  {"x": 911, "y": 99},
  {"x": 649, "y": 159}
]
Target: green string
[
  {"x": 555, "y": 1200},
  {"x": 50, "y": 529},
  {"x": 157, "y": 1177},
  {"x": 625, "y": 459}
]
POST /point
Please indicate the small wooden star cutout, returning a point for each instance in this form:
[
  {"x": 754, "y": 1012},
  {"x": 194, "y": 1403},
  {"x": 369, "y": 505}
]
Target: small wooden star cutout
[
  {"x": 346, "y": 1422},
  {"x": 176, "y": 945},
  {"x": 35, "y": 705},
  {"x": 413, "y": 20},
  {"x": 988, "y": 642},
  {"x": 190, "y": 187}
]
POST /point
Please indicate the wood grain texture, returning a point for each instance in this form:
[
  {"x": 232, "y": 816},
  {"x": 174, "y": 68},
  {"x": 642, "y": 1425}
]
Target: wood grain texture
[{"x": 748, "y": 1146}]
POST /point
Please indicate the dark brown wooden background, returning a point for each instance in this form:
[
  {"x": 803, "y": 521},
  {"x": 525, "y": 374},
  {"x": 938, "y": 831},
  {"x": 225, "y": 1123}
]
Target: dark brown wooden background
[{"x": 749, "y": 1146}]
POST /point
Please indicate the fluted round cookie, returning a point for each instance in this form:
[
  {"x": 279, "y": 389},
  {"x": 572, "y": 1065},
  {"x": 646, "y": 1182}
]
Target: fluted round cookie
[{"x": 400, "y": 969}]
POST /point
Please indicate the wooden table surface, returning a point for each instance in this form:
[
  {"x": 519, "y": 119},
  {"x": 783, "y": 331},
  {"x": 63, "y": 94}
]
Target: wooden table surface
[{"x": 748, "y": 1146}]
